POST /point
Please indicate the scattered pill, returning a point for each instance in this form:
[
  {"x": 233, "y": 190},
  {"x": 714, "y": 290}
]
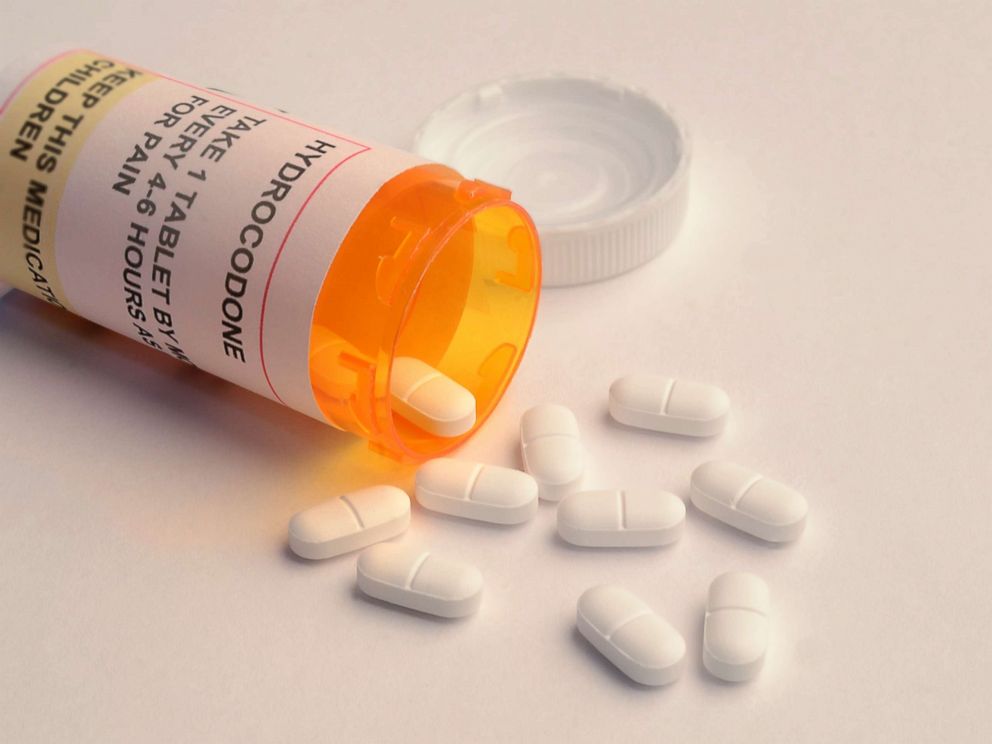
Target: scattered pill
[
  {"x": 420, "y": 580},
  {"x": 748, "y": 501},
  {"x": 621, "y": 519},
  {"x": 475, "y": 491},
  {"x": 430, "y": 400},
  {"x": 674, "y": 406},
  {"x": 349, "y": 522},
  {"x": 628, "y": 633},
  {"x": 735, "y": 631},
  {"x": 552, "y": 452}
]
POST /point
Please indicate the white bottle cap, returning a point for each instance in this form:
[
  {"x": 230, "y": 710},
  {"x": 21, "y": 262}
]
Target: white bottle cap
[{"x": 602, "y": 168}]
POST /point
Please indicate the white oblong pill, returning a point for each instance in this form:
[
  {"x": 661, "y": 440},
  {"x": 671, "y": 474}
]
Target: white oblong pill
[
  {"x": 552, "y": 452},
  {"x": 693, "y": 409},
  {"x": 349, "y": 522},
  {"x": 621, "y": 519},
  {"x": 411, "y": 577},
  {"x": 429, "y": 399},
  {"x": 627, "y": 632},
  {"x": 748, "y": 501},
  {"x": 472, "y": 490},
  {"x": 735, "y": 631}
]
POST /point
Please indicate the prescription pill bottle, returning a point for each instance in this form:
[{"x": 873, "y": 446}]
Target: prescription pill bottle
[{"x": 284, "y": 257}]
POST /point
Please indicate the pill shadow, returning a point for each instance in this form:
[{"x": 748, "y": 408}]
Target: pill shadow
[
  {"x": 360, "y": 596},
  {"x": 686, "y": 442},
  {"x": 493, "y": 527},
  {"x": 291, "y": 557},
  {"x": 732, "y": 533},
  {"x": 597, "y": 659},
  {"x": 560, "y": 542}
]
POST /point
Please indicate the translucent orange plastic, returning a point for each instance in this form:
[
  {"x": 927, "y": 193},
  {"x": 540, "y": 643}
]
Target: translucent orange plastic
[{"x": 436, "y": 267}]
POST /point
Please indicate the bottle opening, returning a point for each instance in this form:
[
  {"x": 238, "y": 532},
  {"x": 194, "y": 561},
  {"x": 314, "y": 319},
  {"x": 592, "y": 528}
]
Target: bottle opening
[{"x": 439, "y": 272}]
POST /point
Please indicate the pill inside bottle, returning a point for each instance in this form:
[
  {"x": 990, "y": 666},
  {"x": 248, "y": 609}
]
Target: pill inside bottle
[{"x": 429, "y": 399}]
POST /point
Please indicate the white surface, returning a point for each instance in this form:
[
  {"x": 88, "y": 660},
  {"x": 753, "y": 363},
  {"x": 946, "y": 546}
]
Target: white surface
[
  {"x": 621, "y": 519},
  {"x": 474, "y": 490},
  {"x": 833, "y": 276},
  {"x": 411, "y": 577},
  {"x": 601, "y": 167},
  {"x": 735, "y": 629},
  {"x": 630, "y": 634}
]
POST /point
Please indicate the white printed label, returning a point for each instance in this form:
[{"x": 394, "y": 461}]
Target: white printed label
[{"x": 190, "y": 221}]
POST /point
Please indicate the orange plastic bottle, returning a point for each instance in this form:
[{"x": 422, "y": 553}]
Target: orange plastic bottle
[
  {"x": 282, "y": 256},
  {"x": 438, "y": 268}
]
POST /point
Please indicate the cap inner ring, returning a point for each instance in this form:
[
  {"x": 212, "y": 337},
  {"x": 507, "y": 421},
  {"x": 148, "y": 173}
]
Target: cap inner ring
[{"x": 583, "y": 156}]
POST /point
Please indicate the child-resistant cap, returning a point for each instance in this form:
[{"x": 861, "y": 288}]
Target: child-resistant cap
[{"x": 601, "y": 168}]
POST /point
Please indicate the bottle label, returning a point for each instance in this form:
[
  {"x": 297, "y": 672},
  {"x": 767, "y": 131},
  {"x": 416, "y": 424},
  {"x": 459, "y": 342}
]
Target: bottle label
[{"x": 196, "y": 223}]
